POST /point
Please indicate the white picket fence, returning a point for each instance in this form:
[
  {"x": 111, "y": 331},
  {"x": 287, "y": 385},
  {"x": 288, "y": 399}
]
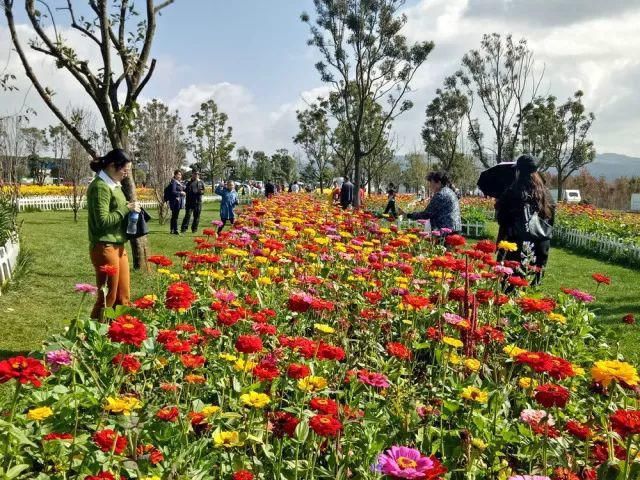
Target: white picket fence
[
  {"x": 8, "y": 260},
  {"x": 597, "y": 244},
  {"x": 60, "y": 202},
  {"x": 469, "y": 229}
]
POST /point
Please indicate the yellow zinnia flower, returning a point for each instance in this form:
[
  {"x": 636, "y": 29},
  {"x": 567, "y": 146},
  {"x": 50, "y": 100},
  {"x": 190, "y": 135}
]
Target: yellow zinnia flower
[
  {"x": 124, "y": 405},
  {"x": 474, "y": 394},
  {"x": 527, "y": 383},
  {"x": 227, "y": 439},
  {"x": 210, "y": 410},
  {"x": 312, "y": 384},
  {"x": 508, "y": 246},
  {"x": 513, "y": 351},
  {"x": 472, "y": 364},
  {"x": 324, "y": 328},
  {"x": 255, "y": 399},
  {"x": 244, "y": 365},
  {"x": 452, "y": 342},
  {"x": 39, "y": 413},
  {"x": 264, "y": 281},
  {"x": 479, "y": 444},
  {"x": 607, "y": 371},
  {"x": 557, "y": 317},
  {"x": 228, "y": 357}
]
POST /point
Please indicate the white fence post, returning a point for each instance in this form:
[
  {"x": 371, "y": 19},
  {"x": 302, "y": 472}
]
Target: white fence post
[
  {"x": 8, "y": 260},
  {"x": 59, "y": 202}
]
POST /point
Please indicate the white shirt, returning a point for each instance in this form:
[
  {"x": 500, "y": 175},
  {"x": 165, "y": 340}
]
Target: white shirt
[
  {"x": 108, "y": 180},
  {"x": 295, "y": 188}
]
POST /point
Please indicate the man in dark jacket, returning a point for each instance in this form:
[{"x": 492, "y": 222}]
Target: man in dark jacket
[
  {"x": 194, "y": 190},
  {"x": 269, "y": 189},
  {"x": 346, "y": 194},
  {"x": 176, "y": 200}
]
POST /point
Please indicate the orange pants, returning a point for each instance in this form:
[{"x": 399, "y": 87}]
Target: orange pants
[{"x": 117, "y": 285}]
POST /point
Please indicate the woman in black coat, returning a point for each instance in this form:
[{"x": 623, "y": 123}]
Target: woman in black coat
[{"x": 516, "y": 209}]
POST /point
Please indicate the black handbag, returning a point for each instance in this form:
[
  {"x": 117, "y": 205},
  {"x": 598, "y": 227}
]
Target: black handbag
[
  {"x": 533, "y": 228},
  {"x": 142, "y": 228}
]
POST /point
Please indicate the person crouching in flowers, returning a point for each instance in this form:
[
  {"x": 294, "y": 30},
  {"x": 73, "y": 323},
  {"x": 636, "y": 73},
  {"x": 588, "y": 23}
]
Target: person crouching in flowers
[
  {"x": 227, "y": 204},
  {"x": 108, "y": 214}
]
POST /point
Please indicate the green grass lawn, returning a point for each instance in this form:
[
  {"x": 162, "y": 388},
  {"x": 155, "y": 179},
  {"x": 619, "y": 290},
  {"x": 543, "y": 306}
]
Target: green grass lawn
[{"x": 44, "y": 299}]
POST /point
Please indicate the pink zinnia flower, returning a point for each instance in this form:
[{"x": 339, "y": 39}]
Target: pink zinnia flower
[
  {"x": 58, "y": 358},
  {"x": 225, "y": 296},
  {"x": 86, "y": 288},
  {"x": 534, "y": 417},
  {"x": 579, "y": 295},
  {"x": 405, "y": 462},
  {"x": 452, "y": 318},
  {"x": 374, "y": 379},
  {"x": 503, "y": 270},
  {"x": 529, "y": 477},
  {"x": 216, "y": 223}
]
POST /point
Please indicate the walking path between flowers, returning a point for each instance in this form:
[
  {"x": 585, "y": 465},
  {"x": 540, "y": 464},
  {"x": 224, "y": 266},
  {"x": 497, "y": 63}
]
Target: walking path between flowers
[{"x": 44, "y": 298}]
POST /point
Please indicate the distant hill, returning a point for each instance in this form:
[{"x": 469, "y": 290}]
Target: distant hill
[{"x": 614, "y": 165}]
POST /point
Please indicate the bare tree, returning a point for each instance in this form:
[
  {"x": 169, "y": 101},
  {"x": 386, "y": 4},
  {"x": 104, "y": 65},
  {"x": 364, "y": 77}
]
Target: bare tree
[
  {"x": 501, "y": 78},
  {"x": 76, "y": 165},
  {"x": 107, "y": 30},
  {"x": 160, "y": 147},
  {"x": 366, "y": 59}
]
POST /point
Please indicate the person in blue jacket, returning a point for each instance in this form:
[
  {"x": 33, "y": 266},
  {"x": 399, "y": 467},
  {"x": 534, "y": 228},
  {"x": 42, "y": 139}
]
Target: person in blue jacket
[
  {"x": 176, "y": 200},
  {"x": 227, "y": 204}
]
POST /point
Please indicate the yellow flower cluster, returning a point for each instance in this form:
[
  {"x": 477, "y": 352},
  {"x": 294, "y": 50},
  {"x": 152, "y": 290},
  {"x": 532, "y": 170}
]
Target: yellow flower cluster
[
  {"x": 124, "y": 405},
  {"x": 39, "y": 413}
]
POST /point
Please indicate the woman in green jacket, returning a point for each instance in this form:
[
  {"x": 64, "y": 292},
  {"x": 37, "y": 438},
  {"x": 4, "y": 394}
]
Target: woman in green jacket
[{"x": 108, "y": 211}]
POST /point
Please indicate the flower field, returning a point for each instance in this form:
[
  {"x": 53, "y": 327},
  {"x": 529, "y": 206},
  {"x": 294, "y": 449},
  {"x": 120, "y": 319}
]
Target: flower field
[
  {"x": 614, "y": 224},
  {"x": 66, "y": 190},
  {"x": 311, "y": 343}
]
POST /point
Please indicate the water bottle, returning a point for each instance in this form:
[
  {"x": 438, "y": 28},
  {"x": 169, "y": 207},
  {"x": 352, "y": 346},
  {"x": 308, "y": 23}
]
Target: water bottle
[{"x": 132, "y": 226}]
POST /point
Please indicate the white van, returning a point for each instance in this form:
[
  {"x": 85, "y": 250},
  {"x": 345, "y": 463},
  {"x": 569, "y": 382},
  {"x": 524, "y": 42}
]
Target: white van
[{"x": 569, "y": 196}]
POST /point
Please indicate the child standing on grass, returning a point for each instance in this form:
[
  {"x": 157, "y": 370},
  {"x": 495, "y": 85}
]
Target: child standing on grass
[{"x": 227, "y": 204}]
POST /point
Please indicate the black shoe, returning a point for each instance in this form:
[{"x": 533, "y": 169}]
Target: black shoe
[{"x": 175, "y": 233}]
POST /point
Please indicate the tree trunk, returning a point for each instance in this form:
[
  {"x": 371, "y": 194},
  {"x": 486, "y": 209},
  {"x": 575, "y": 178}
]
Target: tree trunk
[
  {"x": 358, "y": 174},
  {"x": 561, "y": 181}
]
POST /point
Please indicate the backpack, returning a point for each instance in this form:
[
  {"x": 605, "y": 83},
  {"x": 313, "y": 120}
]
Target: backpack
[{"x": 166, "y": 197}]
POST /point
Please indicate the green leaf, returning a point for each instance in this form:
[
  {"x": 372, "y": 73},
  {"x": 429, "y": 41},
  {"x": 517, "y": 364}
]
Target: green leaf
[{"x": 14, "y": 472}]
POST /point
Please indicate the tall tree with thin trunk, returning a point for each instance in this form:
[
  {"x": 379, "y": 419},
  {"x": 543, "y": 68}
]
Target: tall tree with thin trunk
[
  {"x": 314, "y": 136},
  {"x": 76, "y": 168},
  {"x": 558, "y": 136},
  {"x": 501, "y": 79},
  {"x": 113, "y": 89},
  {"x": 211, "y": 139},
  {"x": 363, "y": 50},
  {"x": 444, "y": 124}
]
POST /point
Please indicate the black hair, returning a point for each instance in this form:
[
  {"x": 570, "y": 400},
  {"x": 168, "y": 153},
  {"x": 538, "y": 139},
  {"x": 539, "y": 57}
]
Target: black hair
[
  {"x": 175, "y": 172},
  {"x": 439, "y": 177},
  {"x": 530, "y": 184},
  {"x": 117, "y": 157},
  {"x": 346, "y": 179}
]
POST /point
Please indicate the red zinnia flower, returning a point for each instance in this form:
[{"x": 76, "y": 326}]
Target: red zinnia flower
[
  {"x": 626, "y": 422},
  {"x": 168, "y": 414},
  {"x": 108, "y": 440},
  {"x": 578, "y": 430},
  {"x": 155, "y": 456},
  {"x": 323, "y": 405},
  {"x": 373, "y": 297},
  {"x": 455, "y": 240},
  {"x": 398, "y": 350},
  {"x": 416, "y": 301},
  {"x": 242, "y": 475},
  {"x": 629, "y": 319},
  {"x": 542, "y": 362},
  {"x": 192, "y": 361},
  {"x": 298, "y": 371},
  {"x": 129, "y": 363},
  {"x": 160, "y": 260},
  {"x": 109, "y": 270},
  {"x": 266, "y": 371},
  {"x": 330, "y": 352},
  {"x": 127, "y": 329},
  {"x": 299, "y": 303},
  {"x": 101, "y": 476},
  {"x": 537, "y": 305},
  {"x": 23, "y": 369},
  {"x": 179, "y": 296},
  {"x": 325, "y": 425},
  {"x": 485, "y": 246},
  {"x": 551, "y": 395},
  {"x": 144, "y": 303},
  {"x": 248, "y": 344},
  {"x": 562, "y": 473},
  {"x": 600, "y": 278},
  {"x": 518, "y": 281},
  {"x": 283, "y": 423}
]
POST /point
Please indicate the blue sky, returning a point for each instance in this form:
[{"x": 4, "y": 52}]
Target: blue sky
[{"x": 251, "y": 57}]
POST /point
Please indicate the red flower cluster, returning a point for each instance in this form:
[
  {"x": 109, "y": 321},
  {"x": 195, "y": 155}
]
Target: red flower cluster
[
  {"x": 551, "y": 395},
  {"x": 562, "y": 473},
  {"x": 101, "y": 476},
  {"x": 160, "y": 260},
  {"x": 626, "y": 422},
  {"x": 485, "y": 246},
  {"x": 23, "y": 369},
  {"x": 192, "y": 361},
  {"x": 299, "y": 302},
  {"x": 325, "y": 425},
  {"x": 537, "y": 305},
  {"x": 455, "y": 240},
  {"x": 127, "y": 329},
  {"x": 179, "y": 296},
  {"x": 129, "y": 363},
  {"x": 57, "y": 436},
  {"x": 578, "y": 430},
  {"x": 542, "y": 362},
  {"x": 108, "y": 440},
  {"x": 242, "y": 475},
  {"x": 248, "y": 344},
  {"x": 266, "y": 371},
  {"x": 629, "y": 319},
  {"x": 168, "y": 414},
  {"x": 416, "y": 301},
  {"x": 325, "y": 406},
  {"x": 283, "y": 423},
  {"x": 298, "y": 371},
  {"x": 398, "y": 350}
]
